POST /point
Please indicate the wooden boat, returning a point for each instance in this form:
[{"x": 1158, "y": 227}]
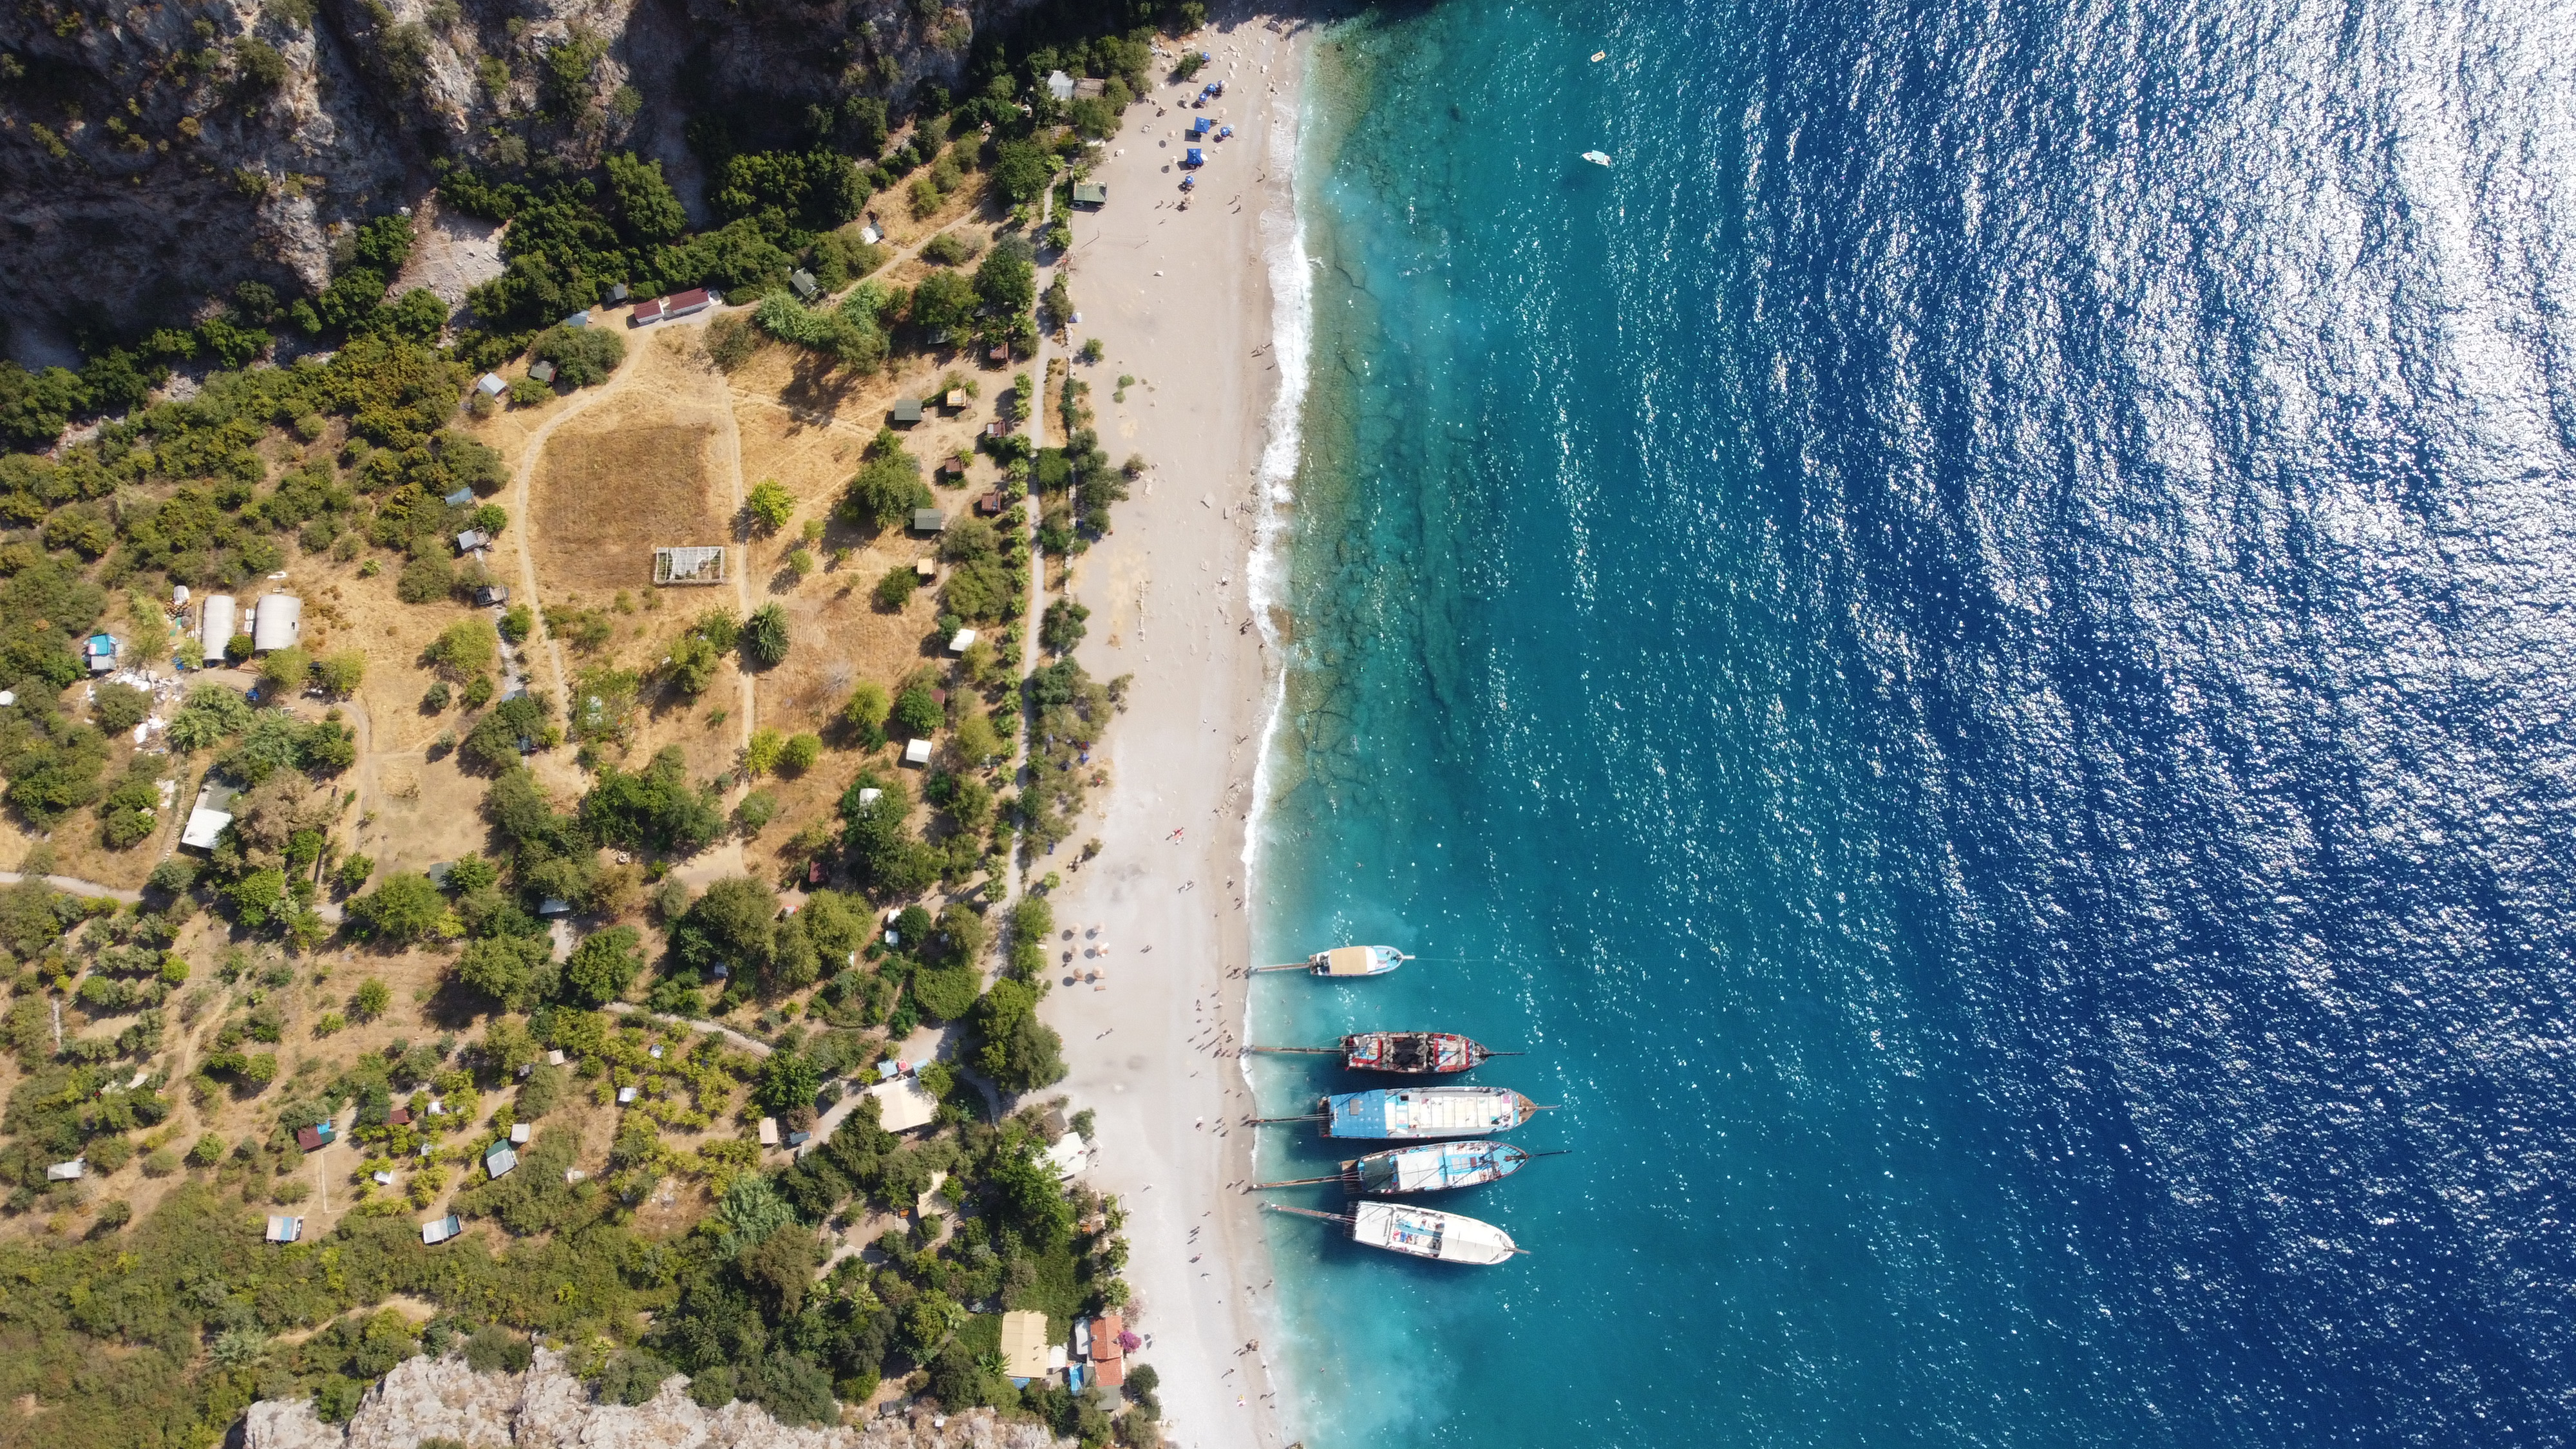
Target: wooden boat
[
  {"x": 1346, "y": 961},
  {"x": 1407, "y": 1053},
  {"x": 1433, "y": 1167},
  {"x": 1402, "y": 1112},
  {"x": 1419, "y": 1232}
]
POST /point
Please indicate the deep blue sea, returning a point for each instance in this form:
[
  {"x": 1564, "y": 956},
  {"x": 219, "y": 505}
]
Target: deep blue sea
[{"x": 1974, "y": 648}]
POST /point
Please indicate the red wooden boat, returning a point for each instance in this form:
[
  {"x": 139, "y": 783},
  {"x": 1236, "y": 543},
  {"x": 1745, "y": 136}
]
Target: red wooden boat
[{"x": 1403, "y": 1053}]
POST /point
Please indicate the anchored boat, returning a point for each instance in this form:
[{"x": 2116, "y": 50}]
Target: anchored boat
[
  {"x": 1418, "y": 1232},
  {"x": 1418, "y": 1112},
  {"x": 1597, "y": 158},
  {"x": 1411, "y": 1053},
  {"x": 1346, "y": 961},
  {"x": 1433, "y": 1167}
]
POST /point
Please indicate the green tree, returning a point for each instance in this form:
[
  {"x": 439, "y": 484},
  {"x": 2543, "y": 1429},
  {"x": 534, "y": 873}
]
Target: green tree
[
  {"x": 788, "y": 1083},
  {"x": 605, "y": 964},
  {"x": 341, "y": 672},
  {"x": 1021, "y": 170},
  {"x": 1015, "y": 1049},
  {"x": 119, "y": 707},
  {"x": 372, "y": 999},
  {"x": 1007, "y": 280},
  {"x": 917, "y": 712},
  {"x": 895, "y": 589},
  {"x": 734, "y": 923},
  {"x": 655, "y": 808},
  {"x": 505, "y": 968},
  {"x": 944, "y": 303},
  {"x": 647, "y": 207},
  {"x": 582, "y": 356},
  {"x": 403, "y": 909},
  {"x": 800, "y": 753},
  {"x": 1063, "y": 626},
  {"x": 694, "y": 661},
  {"x": 764, "y": 636},
  {"x": 466, "y": 648},
  {"x": 771, "y": 504},
  {"x": 888, "y": 486},
  {"x": 865, "y": 714}
]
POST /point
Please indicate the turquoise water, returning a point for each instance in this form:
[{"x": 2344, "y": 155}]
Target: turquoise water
[{"x": 1966, "y": 648}]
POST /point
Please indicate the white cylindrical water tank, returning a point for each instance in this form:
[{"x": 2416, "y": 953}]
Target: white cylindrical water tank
[
  {"x": 215, "y": 626},
  {"x": 278, "y": 624}
]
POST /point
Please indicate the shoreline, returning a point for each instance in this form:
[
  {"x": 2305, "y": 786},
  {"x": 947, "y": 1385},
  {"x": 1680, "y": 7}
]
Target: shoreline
[{"x": 1189, "y": 304}]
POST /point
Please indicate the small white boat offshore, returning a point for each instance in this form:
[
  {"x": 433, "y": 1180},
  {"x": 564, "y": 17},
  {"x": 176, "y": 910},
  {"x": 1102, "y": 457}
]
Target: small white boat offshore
[
  {"x": 1419, "y": 1232},
  {"x": 1597, "y": 158},
  {"x": 1345, "y": 961}
]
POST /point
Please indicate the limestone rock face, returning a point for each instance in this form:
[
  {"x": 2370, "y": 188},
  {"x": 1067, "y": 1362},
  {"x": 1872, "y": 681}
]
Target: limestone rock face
[
  {"x": 153, "y": 155},
  {"x": 547, "y": 1408}
]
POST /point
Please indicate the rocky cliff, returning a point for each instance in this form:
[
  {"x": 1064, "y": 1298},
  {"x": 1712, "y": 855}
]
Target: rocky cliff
[
  {"x": 547, "y": 1408},
  {"x": 155, "y": 151}
]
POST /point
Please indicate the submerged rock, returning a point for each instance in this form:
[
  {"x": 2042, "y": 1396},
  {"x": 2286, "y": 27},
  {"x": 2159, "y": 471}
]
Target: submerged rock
[{"x": 547, "y": 1408}]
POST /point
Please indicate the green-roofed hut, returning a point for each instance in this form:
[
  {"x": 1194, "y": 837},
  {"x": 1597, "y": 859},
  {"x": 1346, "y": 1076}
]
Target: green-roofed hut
[{"x": 907, "y": 410}]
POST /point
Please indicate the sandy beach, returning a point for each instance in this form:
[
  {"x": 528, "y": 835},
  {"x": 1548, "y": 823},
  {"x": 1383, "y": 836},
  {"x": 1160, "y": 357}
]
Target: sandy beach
[{"x": 1180, "y": 300}]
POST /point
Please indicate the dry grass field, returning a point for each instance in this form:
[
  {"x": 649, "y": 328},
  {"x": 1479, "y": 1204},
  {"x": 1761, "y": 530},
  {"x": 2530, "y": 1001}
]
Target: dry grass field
[{"x": 616, "y": 483}]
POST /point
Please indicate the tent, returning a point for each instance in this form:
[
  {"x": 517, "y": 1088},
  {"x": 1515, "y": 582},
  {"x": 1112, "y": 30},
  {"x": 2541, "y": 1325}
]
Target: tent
[{"x": 1196, "y": 157}]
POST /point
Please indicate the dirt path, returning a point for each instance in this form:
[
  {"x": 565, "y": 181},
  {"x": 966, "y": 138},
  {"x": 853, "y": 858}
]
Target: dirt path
[
  {"x": 729, "y": 444},
  {"x": 526, "y": 473},
  {"x": 753, "y": 1045},
  {"x": 74, "y": 886}
]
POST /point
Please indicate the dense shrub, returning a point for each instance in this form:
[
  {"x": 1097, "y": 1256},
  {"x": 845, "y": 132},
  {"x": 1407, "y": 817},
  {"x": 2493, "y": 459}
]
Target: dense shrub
[{"x": 583, "y": 356}]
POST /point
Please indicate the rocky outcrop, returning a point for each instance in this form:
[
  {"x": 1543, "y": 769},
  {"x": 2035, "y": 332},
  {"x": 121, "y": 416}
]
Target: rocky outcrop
[
  {"x": 154, "y": 153},
  {"x": 547, "y": 1408}
]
